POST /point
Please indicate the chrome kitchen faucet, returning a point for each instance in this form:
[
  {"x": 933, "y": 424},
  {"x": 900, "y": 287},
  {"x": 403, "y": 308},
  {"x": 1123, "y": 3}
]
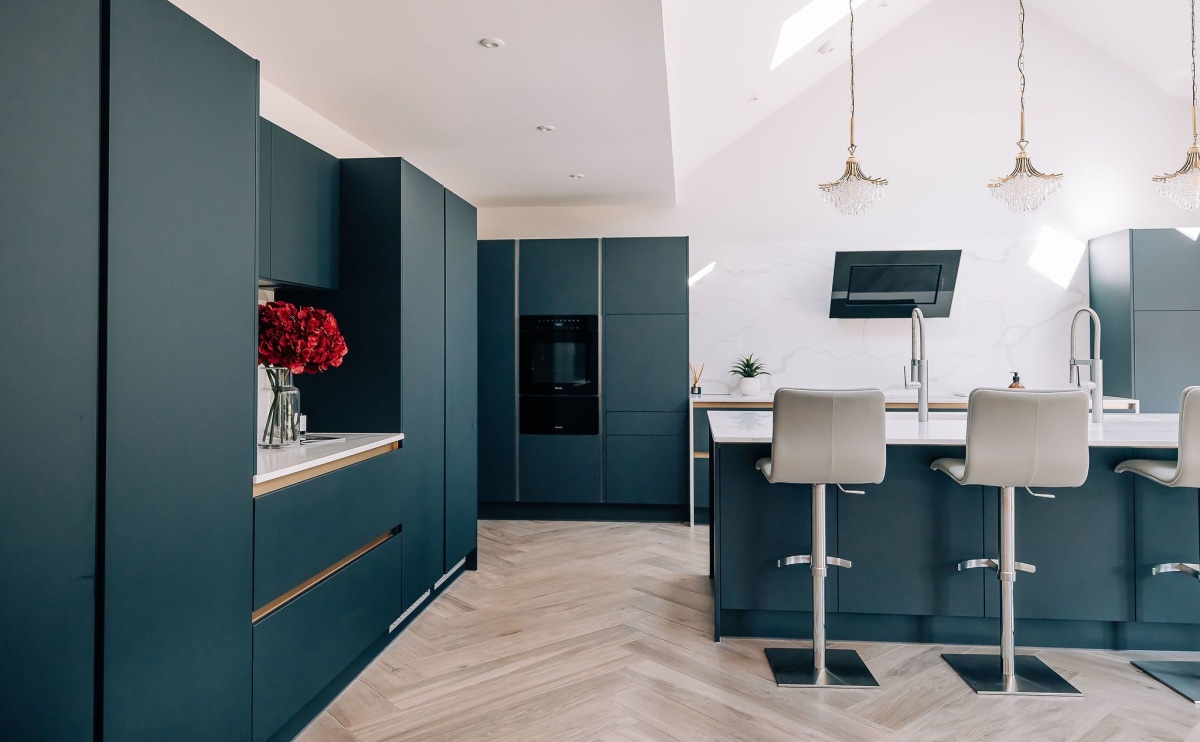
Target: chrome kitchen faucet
[
  {"x": 1096, "y": 383},
  {"x": 918, "y": 374}
]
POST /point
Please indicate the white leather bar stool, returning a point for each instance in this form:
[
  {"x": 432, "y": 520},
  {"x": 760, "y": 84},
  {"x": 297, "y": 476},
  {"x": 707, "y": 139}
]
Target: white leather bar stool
[
  {"x": 1017, "y": 438},
  {"x": 1181, "y": 677},
  {"x": 820, "y": 438}
]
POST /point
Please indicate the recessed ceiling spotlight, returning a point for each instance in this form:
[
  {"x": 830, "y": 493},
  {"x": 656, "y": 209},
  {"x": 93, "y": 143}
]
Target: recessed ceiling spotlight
[
  {"x": 752, "y": 99},
  {"x": 545, "y": 127},
  {"x": 826, "y": 48},
  {"x": 577, "y": 176},
  {"x": 491, "y": 43}
]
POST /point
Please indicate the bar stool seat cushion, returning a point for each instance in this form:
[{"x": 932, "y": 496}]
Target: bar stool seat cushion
[
  {"x": 1162, "y": 472},
  {"x": 956, "y": 469},
  {"x": 827, "y": 437}
]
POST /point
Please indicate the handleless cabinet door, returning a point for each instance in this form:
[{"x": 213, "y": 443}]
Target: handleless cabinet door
[
  {"x": 645, "y": 275},
  {"x": 1165, "y": 266},
  {"x": 178, "y": 510},
  {"x": 49, "y": 296},
  {"x": 1166, "y": 357},
  {"x": 462, "y": 383},
  {"x": 304, "y": 212},
  {"x": 645, "y": 362},
  {"x": 559, "y": 276},
  {"x": 497, "y": 371}
]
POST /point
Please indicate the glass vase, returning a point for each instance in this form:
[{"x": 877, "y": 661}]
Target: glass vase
[{"x": 282, "y": 426}]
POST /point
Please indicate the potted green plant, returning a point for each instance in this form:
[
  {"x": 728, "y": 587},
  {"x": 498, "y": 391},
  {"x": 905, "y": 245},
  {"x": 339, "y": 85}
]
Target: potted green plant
[{"x": 749, "y": 368}]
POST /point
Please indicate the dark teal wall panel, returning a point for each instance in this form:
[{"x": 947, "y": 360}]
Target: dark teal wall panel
[
  {"x": 497, "y": 371},
  {"x": 645, "y": 275},
  {"x": 462, "y": 379},
  {"x": 180, "y": 375},
  {"x": 559, "y": 276},
  {"x": 49, "y": 299}
]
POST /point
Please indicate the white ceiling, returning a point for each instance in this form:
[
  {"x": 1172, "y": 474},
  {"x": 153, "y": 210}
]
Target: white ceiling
[{"x": 641, "y": 92}]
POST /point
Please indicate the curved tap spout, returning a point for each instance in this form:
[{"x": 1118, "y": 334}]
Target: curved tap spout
[
  {"x": 1095, "y": 354},
  {"x": 1095, "y": 385},
  {"x": 918, "y": 377}
]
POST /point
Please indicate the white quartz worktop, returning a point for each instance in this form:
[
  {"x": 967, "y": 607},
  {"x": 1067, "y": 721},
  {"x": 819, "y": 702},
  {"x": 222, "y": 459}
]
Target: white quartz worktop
[
  {"x": 891, "y": 398},
  {"x": 280, "y": 462},
  {"x": 1134, "y": 430}
]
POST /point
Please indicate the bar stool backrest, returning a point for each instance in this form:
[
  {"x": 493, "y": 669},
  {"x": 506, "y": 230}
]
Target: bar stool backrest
[
  {"x": 1027, "y": 438},
  {"x": 828, "y": 437},
  {"x": 1188, "y": 472}
]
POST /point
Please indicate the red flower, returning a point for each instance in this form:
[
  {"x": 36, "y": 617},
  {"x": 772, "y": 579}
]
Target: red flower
[{"x": 303, "y": 339}]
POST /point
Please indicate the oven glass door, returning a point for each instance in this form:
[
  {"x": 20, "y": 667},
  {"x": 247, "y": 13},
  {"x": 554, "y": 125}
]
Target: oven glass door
[{"x": 558, "y": 360}]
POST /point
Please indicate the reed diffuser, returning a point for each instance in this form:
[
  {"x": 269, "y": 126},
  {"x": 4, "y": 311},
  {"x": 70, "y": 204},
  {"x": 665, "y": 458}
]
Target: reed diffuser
[{"x": 696, "y": 377}]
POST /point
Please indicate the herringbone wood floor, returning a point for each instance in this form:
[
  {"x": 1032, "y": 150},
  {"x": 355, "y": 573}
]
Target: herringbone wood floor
[{"x": 602, "y": 631}]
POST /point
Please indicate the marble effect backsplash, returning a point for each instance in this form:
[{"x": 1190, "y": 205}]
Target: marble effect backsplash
[{"x": 773, "y": 300}]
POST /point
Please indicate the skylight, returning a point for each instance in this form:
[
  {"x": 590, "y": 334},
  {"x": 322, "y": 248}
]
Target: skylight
[
  {"x": 1057, "y": 255},
  {"x": 807, "y": 24}
]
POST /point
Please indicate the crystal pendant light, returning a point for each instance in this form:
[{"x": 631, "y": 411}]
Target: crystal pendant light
[
  {"x": 1182, "y": 188},
  {"x": 854, "y": 192},
  {"x": 1024, "y": 189}
]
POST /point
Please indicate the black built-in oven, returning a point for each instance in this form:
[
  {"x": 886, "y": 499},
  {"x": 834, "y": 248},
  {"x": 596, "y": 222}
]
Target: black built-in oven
[{"x": 559, "y": 375}]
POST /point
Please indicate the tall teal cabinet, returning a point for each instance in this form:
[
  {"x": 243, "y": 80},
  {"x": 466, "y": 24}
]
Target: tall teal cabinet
[{"x": 125, "y": 518}]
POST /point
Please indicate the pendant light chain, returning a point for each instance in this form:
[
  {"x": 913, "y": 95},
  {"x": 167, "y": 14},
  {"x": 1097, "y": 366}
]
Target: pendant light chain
[
  {"x": 1182, "y": 187},
  {"x": 1194, "y": 131},
  {"x": 852, "y": 145},
  {"x": 1023, "y": 143}
]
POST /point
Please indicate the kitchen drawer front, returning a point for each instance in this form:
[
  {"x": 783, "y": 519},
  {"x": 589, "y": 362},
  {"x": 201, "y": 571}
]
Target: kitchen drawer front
[
  {"x": 302, "y": 647},
  {"x": 647, "y": 469},
  {"x": 700, "y": 430},
  {"x": 645, "y": 423},
  {"x": 303, "y": 529}
]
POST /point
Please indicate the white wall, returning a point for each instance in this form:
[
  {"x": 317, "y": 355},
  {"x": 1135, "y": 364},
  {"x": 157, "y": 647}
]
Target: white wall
[
  {"x": 937, "y": 115},
  {"x": 280, "y": 108}
]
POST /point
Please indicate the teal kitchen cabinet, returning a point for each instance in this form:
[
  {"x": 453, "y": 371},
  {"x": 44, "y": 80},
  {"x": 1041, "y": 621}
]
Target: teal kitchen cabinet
[
  {"x": 299, "y": 216},
  {"x": 559, "y": 276},
  {"x": 498, "y": 370},
  {"x": 645, "y": 275}
]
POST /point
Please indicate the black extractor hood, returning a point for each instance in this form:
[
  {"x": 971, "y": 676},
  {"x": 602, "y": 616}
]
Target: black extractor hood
[{"x": 891, "y": 283}]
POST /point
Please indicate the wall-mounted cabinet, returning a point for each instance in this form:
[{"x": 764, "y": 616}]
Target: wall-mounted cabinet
[
  {"x": 559, "y": 276},
  {"x": 1143, "y": 287},
  {"x": 298, "y": 213}
]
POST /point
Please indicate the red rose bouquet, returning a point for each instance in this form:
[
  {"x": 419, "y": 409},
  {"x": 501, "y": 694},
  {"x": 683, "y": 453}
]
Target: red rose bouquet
[
  {"x": 304, "y": 340},
  {"x": 293, "y": 340}
]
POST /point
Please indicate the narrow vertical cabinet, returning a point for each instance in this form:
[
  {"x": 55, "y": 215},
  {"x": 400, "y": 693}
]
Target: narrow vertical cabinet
[
  {"x": 299, "y": 214},
  {"x": 49, "y": 296},
  {"x": 645, "y": 364},
  {"x": 1142, "y": 286},
  {"x": 179, "y": 379},
  {"x": 392, "y": 305},
  {"x": 462, "y": 380},
  {"x": 498, "y": 370}
]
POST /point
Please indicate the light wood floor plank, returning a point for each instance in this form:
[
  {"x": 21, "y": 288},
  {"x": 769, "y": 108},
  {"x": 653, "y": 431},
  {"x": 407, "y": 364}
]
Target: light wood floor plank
[{"x": 603, "y": 631}]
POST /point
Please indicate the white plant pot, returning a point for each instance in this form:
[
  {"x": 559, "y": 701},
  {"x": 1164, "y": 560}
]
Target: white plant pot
[{"x": 749, "y": 386}]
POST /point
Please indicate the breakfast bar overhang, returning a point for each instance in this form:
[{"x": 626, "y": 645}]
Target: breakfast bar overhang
[{"x": 1093, "y": 546}]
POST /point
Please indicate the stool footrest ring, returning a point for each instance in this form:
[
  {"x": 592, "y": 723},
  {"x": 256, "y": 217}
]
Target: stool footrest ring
[
  {"x": 995, "y": 564},
  {"x": 1192, "y": 570},
  {"x": 807, "y": 559}
]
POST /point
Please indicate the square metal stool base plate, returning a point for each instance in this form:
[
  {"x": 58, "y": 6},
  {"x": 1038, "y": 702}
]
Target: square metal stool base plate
[
  {"x": 793, "y": 668},
  {"x": 1181, "y": 677},
  {"x": 985, "y": 675}
]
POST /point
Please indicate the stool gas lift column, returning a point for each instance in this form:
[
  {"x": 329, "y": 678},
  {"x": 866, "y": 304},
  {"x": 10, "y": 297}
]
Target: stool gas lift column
[{"x": 819, "y": 438}]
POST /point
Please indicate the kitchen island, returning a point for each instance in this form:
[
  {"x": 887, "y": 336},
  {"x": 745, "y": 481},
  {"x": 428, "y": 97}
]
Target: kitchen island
[{"x": 1093, "y": 544}]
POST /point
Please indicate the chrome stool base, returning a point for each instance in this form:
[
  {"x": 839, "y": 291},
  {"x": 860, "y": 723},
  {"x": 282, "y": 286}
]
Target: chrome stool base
[
  {"x": 1031, "y": 677},
  {"x": 794, "y": 668},
  {"x": 1181, "y": 677}
]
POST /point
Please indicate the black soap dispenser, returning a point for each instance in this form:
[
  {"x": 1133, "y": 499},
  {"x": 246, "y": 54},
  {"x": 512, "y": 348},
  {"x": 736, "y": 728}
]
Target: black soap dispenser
[{"x": 1016, "y": 381}]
